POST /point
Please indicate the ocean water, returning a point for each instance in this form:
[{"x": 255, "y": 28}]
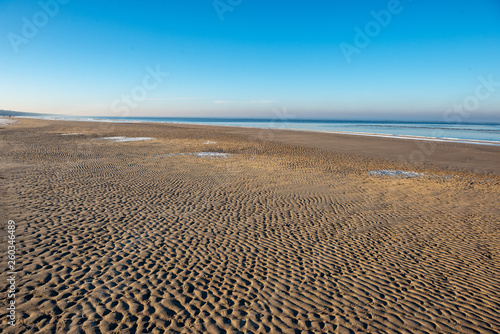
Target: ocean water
[{"x": 484, "y": 134}]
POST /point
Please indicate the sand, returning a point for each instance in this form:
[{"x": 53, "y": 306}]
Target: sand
[{"x": 285, "y": 233}]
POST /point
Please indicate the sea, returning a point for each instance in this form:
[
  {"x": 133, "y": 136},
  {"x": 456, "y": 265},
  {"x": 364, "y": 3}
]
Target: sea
[{"x": 480, "y": 134}]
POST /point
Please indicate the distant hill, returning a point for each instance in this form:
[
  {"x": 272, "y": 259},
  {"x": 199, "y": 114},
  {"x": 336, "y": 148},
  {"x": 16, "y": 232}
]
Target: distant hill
[{"x": 19, "y": 113}]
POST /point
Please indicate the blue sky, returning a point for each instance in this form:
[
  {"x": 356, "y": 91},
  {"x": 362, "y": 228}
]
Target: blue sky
[{"x": 245, "y": 58}]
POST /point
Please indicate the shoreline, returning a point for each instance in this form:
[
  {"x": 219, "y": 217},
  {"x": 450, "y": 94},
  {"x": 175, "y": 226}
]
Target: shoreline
[
  {"x": 452, "y": 156},
  {"x": 382, "y": 135}
]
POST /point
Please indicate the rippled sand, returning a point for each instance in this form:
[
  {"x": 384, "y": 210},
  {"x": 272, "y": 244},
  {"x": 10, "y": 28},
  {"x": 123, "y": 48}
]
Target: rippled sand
[{"x": 140, "y": 237}]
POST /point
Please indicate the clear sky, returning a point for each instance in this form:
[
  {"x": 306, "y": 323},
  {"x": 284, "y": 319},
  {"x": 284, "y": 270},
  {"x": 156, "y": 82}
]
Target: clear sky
[{"x": 245, "y": 58}]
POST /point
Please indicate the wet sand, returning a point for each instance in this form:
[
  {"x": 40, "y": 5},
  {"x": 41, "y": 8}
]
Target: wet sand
[
  {"x": 5, "y": 121},
  {"x": 223, "y": 230}
]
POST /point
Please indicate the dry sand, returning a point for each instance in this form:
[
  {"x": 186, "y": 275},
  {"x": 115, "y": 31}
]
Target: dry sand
[{"x": 284, "y": 235}]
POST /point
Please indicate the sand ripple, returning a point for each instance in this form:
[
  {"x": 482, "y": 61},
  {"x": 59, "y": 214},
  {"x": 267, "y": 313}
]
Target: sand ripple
[{"x": 277, "y": 239}]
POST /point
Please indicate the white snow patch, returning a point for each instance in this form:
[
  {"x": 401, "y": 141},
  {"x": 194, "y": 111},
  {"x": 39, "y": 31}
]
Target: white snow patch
[
  {"x": 126, "y": 139},
  {"x": 6, "y": 121},
  {"x": 212, "y": 155},
  {"x": 208, "y": 142},
  {"x": 199, "y": 154},
  {"x": 395, "y": 173},
  {"x": 70, "y": 134}
]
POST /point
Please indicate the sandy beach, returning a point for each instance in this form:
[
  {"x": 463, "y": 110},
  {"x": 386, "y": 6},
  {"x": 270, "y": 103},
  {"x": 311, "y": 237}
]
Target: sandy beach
[{"x": 155, "y": 228}]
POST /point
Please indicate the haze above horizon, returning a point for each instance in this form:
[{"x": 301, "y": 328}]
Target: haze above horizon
[{"x": 400, "y": 60}]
